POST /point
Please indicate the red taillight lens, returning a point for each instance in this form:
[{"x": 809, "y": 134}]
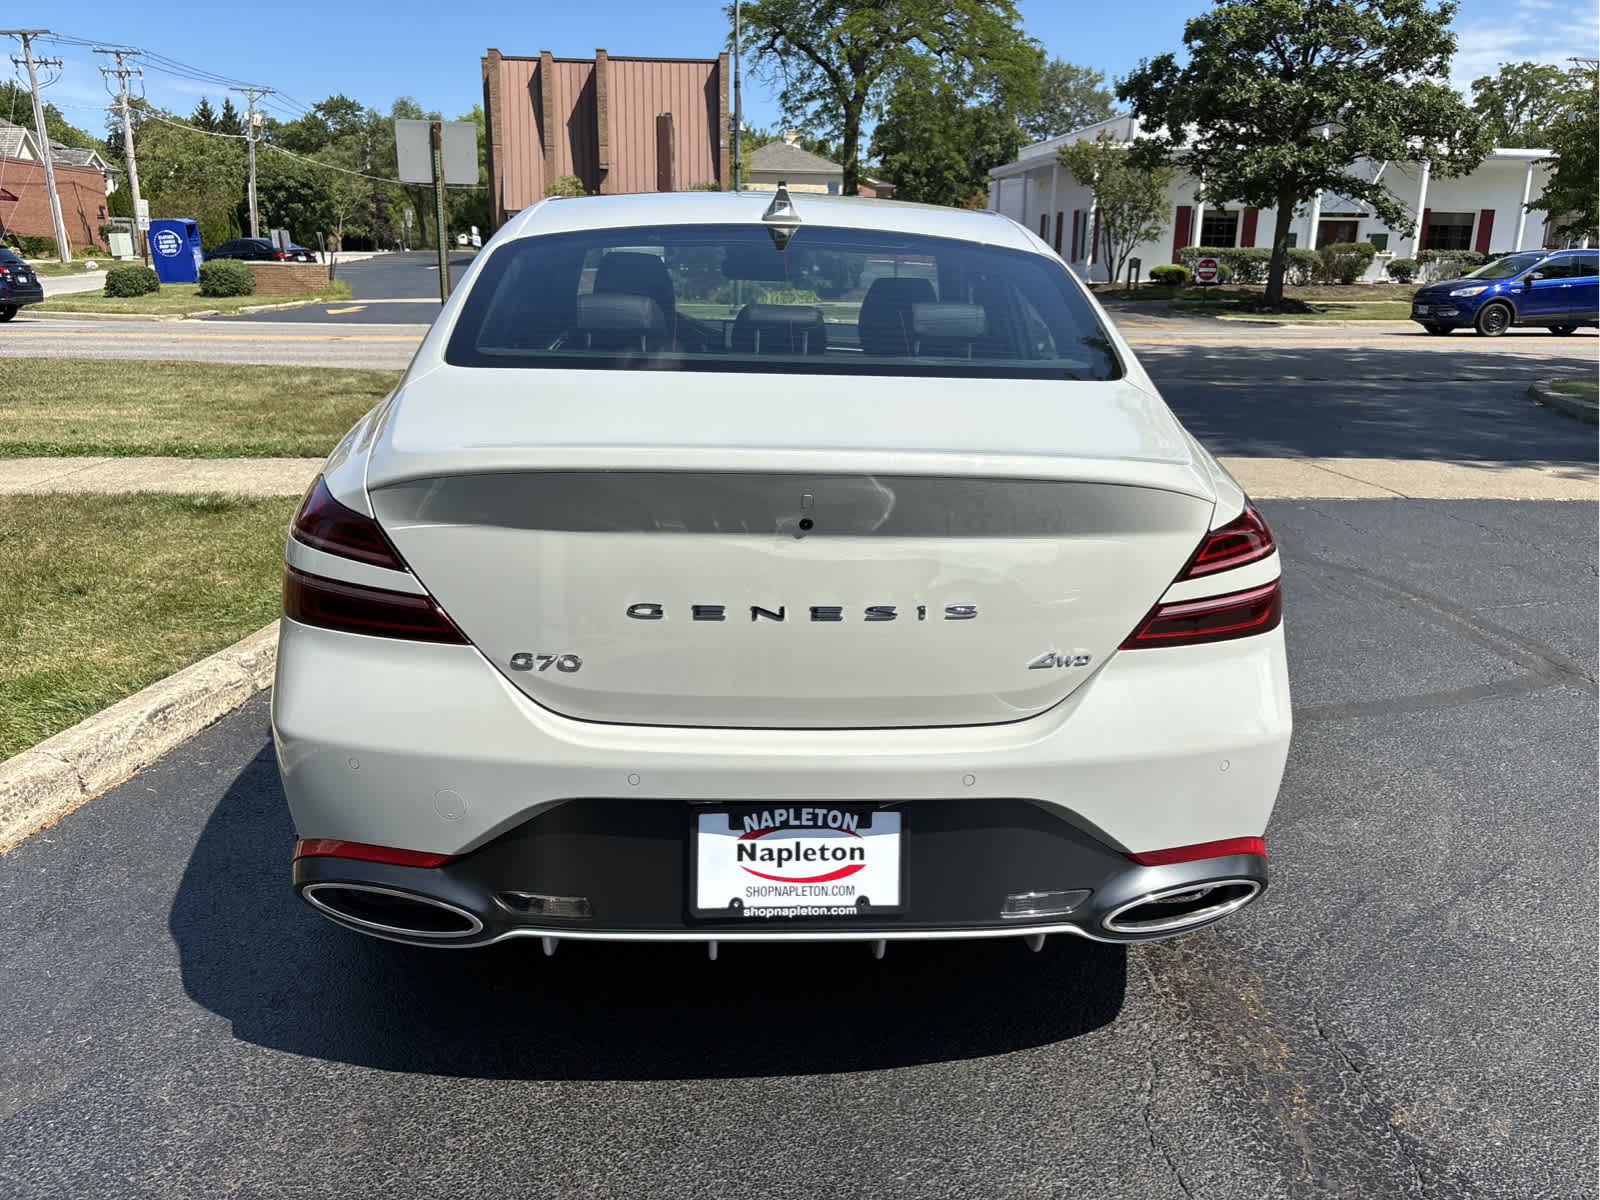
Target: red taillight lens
[
  {"x": 333, "y": 848},
  {"x": 324, "y": 524},
  {"x": 1183, "y": 854},
  {"x": 355, "y": 608},
  {"x": 1213, "y": 619},
  {"x": 1245, "y": 539}
]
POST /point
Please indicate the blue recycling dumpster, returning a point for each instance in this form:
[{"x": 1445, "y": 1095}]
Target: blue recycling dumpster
[{"x": 175, "y": 251}]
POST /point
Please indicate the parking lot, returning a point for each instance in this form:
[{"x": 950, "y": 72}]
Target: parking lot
[{"x": 1409, "y": 1012}]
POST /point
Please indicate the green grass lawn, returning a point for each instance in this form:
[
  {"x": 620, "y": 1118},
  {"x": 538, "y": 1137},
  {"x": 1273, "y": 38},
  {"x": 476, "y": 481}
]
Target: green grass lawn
[
  {"x": 63, "y": 406},
  {"x": 1585, "y": 389},
  {"x": 1383, "y": 310},
  {"x": 77, "y": 267},
  {"x": 103, "y": 595},
  {"x": 177, "y": 299},
  {"x": 1356, "y": 293}
]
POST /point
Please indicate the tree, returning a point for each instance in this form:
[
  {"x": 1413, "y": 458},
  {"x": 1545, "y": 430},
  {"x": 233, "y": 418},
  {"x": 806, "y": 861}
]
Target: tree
[
  {"x": 186, "y": 173},
  {"x": 228, "y": 120},
  {"x": 836, "y": 60},
  {"x": 204, "y": 116},
  {"x": 16, "y": 105},
  {"x": 1524, "y": 101},
  {"x": 1070, "y": 97},
  {"x": 1132, "y": 197},
  {"x": 938, "y": 149},
  {"x": 1280, "y": 97},
  {"x": 1570, "y": 196}
]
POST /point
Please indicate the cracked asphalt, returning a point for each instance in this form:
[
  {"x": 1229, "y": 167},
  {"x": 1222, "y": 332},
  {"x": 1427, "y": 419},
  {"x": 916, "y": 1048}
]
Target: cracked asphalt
[{"x": 1409, "y": 1012}]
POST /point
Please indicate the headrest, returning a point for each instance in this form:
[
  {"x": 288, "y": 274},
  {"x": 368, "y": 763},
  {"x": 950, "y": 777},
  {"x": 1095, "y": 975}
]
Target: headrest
[
  {"x": 620, "y": 313},
  {"x": 955, "y": 322},
  {"x": 635, "y": 273},
  {"x": 779, "y": 314}
]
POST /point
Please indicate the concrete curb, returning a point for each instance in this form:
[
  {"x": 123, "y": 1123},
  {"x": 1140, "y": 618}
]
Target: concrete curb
[
  {"x": 1584, "y": 410},
  {"x": 204, "y": 312},
  {"x": 40, "y": 786}
]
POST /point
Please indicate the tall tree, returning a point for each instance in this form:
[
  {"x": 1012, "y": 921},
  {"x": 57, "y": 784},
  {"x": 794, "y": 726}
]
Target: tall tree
[
  {"x": 229, "y": 119},
  {"x": 204, "y": 116},
  {"x": 836, "y": 60},
  {"x": 1571, "y": 195},
  {"x": 1132, "y": 197},
  {"x": 1520, "y": 105},
  {"x": 16, "y": 106},
  {"x": 1279, "y": 98},
  {"x": 1070, "y": 97},
  {"x": 938, "y": 149},
  {"x": 186, "y": 173}
]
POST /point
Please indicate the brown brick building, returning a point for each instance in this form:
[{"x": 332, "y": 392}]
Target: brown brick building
[
  {"x": 618, "y": 124},
  {"x": 25, "y": 202}
]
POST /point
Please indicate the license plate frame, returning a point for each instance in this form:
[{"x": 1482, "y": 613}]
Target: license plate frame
[{"x": 836, "y": 888}]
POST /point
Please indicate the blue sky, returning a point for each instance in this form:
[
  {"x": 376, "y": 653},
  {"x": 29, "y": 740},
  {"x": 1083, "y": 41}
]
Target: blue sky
[{"x": 310, "y": 50}]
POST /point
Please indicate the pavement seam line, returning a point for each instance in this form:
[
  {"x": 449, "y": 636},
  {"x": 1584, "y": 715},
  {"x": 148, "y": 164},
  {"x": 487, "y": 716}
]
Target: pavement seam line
[{"x": 43, "y": 784}]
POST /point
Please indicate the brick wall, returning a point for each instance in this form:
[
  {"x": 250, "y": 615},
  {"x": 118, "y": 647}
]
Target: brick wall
[
  {"x": 83, "y": 201},
  {"x": 288, "y": 279}
]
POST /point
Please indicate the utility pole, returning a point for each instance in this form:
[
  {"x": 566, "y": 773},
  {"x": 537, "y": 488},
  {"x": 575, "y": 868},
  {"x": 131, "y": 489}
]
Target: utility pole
[
  {"x": 250, "y": 143},
  {"x": 122, "y": 73},
  {"x": 43, "y": 137},
  {"x": 738, "y": 110}
]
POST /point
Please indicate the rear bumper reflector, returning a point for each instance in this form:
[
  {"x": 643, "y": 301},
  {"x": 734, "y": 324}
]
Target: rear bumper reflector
[
  {"x": 366, "y": 852},
  {"x": 1200, "y": 850}
]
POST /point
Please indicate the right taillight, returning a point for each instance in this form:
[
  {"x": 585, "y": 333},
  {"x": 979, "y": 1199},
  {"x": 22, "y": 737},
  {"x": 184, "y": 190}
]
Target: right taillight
[
  {"x": 1243, "y": 540},
  {"x": 333, "y": 528}
]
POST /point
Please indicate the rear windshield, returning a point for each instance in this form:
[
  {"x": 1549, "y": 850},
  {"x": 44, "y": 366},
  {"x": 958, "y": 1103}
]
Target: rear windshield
[{"x": 727, "y": 298}]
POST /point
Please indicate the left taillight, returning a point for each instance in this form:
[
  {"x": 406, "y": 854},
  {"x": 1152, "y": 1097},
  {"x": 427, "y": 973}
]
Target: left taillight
[
  {"x": 1243, "y": 540},
  {"x": 336, "y": 529}
]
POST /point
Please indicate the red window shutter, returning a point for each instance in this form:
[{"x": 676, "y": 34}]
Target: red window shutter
[
  {"x": 1043, "y": 230},
  {"x": 1247, "y": 236},
  {"x": 1422, "y": 230},
  {"x": 1077, "y": 222},
  {"x": 1094, "y": 241},
  {"x": 1058, "y": 232},
  {"x": 1485, "y": 230},
  {"x": 1180, "y": 229}
]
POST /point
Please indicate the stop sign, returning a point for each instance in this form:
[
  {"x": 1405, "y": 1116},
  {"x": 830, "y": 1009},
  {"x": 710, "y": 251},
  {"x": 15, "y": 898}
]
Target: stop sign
[{"x": 1206, "y": 270}]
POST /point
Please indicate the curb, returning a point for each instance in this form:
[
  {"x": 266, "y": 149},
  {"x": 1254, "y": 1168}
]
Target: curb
[
  {"x": 204, "y": 312},
  {"x": 1584, "y": 410},
  {"x": 41, "y": 785}
]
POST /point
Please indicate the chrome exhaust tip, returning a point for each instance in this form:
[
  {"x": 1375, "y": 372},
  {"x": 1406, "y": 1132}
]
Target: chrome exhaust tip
[
  {"x": 1174, "y": 909},
  {"x": 390, "y": 911}
]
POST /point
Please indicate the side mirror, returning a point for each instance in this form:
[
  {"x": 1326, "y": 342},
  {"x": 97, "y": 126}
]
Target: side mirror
[{"x": 1527, "y": 280}]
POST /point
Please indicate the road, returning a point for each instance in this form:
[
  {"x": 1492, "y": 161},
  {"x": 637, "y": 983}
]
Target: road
[{"x": 1409, "y": 1012}]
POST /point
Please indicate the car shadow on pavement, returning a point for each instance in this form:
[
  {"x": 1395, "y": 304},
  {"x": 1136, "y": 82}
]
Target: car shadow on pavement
[{"x": 289, "y": 979}]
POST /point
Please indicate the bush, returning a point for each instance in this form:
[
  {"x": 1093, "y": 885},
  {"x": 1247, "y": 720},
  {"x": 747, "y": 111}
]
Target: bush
[
  {"x": 1168, "y": 275},
  {"x": 131, "y": 281},
  {"x": 1345, "y": 262},
  {"x": 1244, "y": 264},
  {"x": 780, "y": 295},
  {"x": 226, "y": 277},
  {"x": 30, "y": 246},
  {"x": 565, "y": 185},
  {"x": 88, "y": 252},
  {"x": 1402, "y": 270},
  {"x": 1302, "y": 267}
]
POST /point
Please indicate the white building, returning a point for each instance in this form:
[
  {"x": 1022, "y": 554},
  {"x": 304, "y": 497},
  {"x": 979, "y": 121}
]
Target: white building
[{"x": 1486, "y": 210}]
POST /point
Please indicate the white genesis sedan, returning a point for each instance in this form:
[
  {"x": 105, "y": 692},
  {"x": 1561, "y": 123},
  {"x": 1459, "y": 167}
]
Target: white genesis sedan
[{"x": 729, "y": 567}]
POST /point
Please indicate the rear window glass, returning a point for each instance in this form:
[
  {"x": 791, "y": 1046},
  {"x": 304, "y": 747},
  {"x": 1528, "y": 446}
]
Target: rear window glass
[{"x": 727, "y": 298}]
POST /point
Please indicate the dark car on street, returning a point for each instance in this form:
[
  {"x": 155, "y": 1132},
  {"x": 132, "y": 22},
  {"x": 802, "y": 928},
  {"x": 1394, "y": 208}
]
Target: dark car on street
[
  {"x": 248, "y": 249},
  {"x": 18, "y": 284},
  {"x": 298, "y": 253},
  {"x": 1558, "y": 289}
]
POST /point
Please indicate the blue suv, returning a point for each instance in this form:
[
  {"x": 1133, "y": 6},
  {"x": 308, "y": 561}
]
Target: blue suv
[{"x": 1559, "y": 289}]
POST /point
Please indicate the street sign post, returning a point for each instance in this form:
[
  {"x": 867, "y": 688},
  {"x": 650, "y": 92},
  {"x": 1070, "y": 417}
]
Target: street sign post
[
  {"x": 440, "y": 153},
  {"x": 1207, "y": 271}
]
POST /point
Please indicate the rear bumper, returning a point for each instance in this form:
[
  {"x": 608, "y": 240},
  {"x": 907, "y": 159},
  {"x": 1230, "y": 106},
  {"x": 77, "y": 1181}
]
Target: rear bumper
[
  {"x": 428, "y": 747},
  {"x": 620, "y": 869},
  {"x": 16, "y": 297}
]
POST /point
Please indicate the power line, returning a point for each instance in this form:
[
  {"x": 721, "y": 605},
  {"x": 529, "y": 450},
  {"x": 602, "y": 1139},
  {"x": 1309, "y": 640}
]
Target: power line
[
  {"x": 42, "y": 134},
  {"x": 122, "y": 73}
]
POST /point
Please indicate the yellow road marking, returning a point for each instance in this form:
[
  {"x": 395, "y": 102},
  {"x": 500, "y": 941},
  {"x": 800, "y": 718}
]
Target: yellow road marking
[
  {"x": 225, "y": 337},
  {"x": 339, "y": 312}
]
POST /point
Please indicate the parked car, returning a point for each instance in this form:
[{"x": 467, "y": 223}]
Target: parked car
[
  {"x": 638, "y": 613},
  {"x": 248, "y": 249},
  {"x": 1557, "y": 289},
  {"x": 18, "y": 284},
  {"x": 298, "y": 253}
]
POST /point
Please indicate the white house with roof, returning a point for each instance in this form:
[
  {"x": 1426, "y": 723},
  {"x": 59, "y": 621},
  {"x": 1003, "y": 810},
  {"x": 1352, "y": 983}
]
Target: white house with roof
[
  {"x": 785, "y": 161},
  {"x": 1486, "y": 210}
]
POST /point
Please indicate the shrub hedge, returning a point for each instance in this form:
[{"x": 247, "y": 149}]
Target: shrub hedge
[
  {"x": 1250, "y": 264},
  {"x": 1402, "y": 270},
  {"x": 1447, "y": 264},
  {"x": 226, "y": 277},
  {"x": 1168, "y": 275},
  {"x": 131, "y": 281},
  {"x": 30, "y": 246},
  {"x": 1346, "y": 262}
]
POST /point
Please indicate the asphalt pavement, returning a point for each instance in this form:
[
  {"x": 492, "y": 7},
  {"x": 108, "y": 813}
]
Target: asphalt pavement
[{"x": 393, "y": 288}]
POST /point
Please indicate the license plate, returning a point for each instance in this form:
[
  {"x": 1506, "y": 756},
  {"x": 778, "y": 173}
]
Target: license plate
[
  {"x": 796, "y": 860},
  {"x": 1420, "y": 308}
]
